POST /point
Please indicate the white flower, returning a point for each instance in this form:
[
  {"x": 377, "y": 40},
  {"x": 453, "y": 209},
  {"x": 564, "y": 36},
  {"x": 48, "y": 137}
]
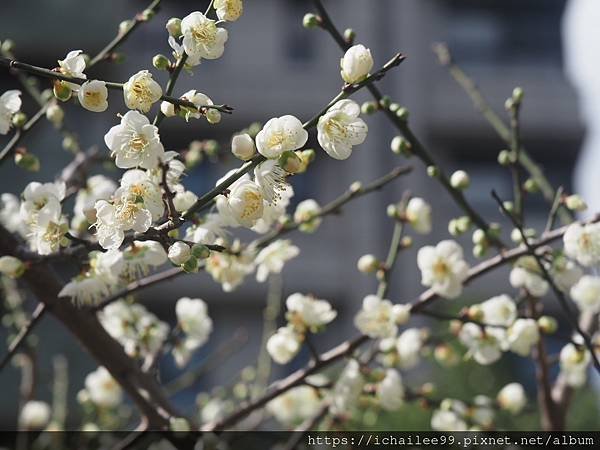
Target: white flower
[
  {"x": 284, "y": 345},
  {"x": 184, "y": 200},
  {"x": 347, "y": 389},
  {"x": 103, "y": 389},
  {"x": 35, "y": 415},
  {"x": 98, "y": 187},
  {"x": 306, "y": 215},
  {"x": 340, "y": 128},
  {"x": 499, "y": 310},
  {"x": 167, "y": 108},
  {"x": 244, "y": 203},
  {"x": 443, "y": 268},
  {"x": 11, "y": 266},
  {"x": 356, "y": 64},
  {"x": 200, "y": 100},
  {"x": 295, "y": 405},
  {"x": 512, "y": 398},
  {"x": 376, "y": 319},
  {"x": 586, "y": 293},
  {"x": 522, "y": 335},
  {"x": 272, "y": 258},
  {"x": 408, "y": 347},
  {"x": 193, "y": 318},
  {"x": 140, "y": 256},
  {"x": 73, "y": 66},
  {"x": 447, "y": 421},
  {"x": 527, "y": 274},
  {"x": 418, "y": 214},
  {"x": 202, "y": 38},
  {"x": 179, "y": 253},
  {"x": 48, "y": 234},
  {"x": 10, "y": 216},
  {"x": 141, "y": 91},
  {"x": 305, "y": 311},
  {"x": 229, "y": 10},
  {"x": 390, "y": 392},
  {"x": 41, "y": 198},
  {"x": 484, "y": 345},
  {"x": 482, "y": 411},
  {"x": 207, "y": 231},
  {"x": 229, "y": 270},
  {"x": 280, "y": 135},
  {"x": 270, "y": 177},
  {"x": 10, "y": 104},
  {"x": 86, "y": 289},
  {"x": 93, "y": 96},
  {"x": 573, "y": 364},
  {"x": 135, "y": 142},
  {"x": 582, "y": 242},
  {"x": 242, "y": 146},
  {"x": 565, "y": 273},
  {"x": 273, "y": 212}
]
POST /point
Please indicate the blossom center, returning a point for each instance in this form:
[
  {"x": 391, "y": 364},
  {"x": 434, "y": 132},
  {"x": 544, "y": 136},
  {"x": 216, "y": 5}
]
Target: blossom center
[
  {"x": 252, "y": 204},
  {"x": 441, "y": 269},
  {"x": 205, "y": 33}
]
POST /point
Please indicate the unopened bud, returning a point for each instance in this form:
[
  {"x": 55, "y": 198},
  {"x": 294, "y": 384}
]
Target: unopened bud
[
  {"x": 213, "y": 116},
  {"x": 575, "y": 203},
  {"x": 148, "y": 14},
  {"x": 479, "y": 250},
  {"x": 395, "y": 107},
  {"x": 400, "y": 146},
  {"x": 531, "y": 186},
  {"x": 8, "y": 46},
  {"x": 385, "y": 101},
  {"x": 161, "y": 62},
  {"x": 27, "y": 161},
  {"x": 55, "y": 115},
  {"x": 70, "y": 144},
  {"x": 479, "y": 236},
  {"x": 200, "y": 251},
  {"x": 475, "y": 313},
  {"x": 368, "y": 108},
  {"x": 310, "y": 20},
  {"x": 174, "y": 27},
  {"x": 290, "y": 162},
  {"x": 124, "y": 26},
  {"x": 62, "y": 91},
  {"x": 242, "y": 146},
  {"x": 433, "y": 171},
  {"x": 406, "y": 242},
  {"x": 547, "y": 324},
  {"x": 191, "y": 265},
  {"x": 193, "y": 157},
  {"x": 463, "y": 224},
  {"x": 355, "y": 187},
  {"x": 19, "y": 120},
  {"x": 368, "y": 264},
  {"x": 504, "y": 158},
  {"x": 517, "y": 95},
  {"x": 508, "y": 206},
  {"x": 402, "y": 114},
  {"x": 11, "y": 267},
  {"x": 349, "y": 35},
  {"x": 460, "y": 180},
  {"x": 211, "y": 147},
  {"x": 392, "y": 211}
]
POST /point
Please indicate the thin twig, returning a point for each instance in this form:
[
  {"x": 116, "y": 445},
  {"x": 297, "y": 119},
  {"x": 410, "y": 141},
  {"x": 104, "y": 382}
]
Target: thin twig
[{"x": 16, "y": 343}]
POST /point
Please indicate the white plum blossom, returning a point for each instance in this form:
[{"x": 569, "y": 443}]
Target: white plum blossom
[
  {"x": 202, "y": 38},
  {"x": 86, "y": 289},
  {"x": 526, "y": 274},
  {"x": 179, "y": 253},
  {"x": 582, "y": 243},
  {"x": 184, "y": 200},
  {"x": 418, "y": 214},
  {"x": 41, "y": 198},
  {"x": 207, "y": 231},
  {"x": 408, "y": 347},
  {"x": 229, "y": 10},
  {"x": 586, "y": 294},
  {"x": 10, "y": 104},
  {"x": 35, "y": 415},
  {"x": 306, "y": 215},
  {"x": 200, "y": 100},
  {"x": 270, "y": 177},
  {"x": 273, "y": 212},
  {"x": 347, "y": 389},
  {"x": 284, "y": 345},
  {"x": 93, "y": 96},
  {"x": 273, "y": 257},
  {"x": 11, "y": 267},
  {"x": 141, "y": 91},
  {"x": 48, "y": 234},
  {"x": 10, "y": 216},
  {"x": 390, "y": 391},
  {"x": 103, "y": 389},
  {"x": 243, "y": 205},
  {"x": 356, "y": 64},
  {"x": 443, "y": 420},
  {"x": 485, "y": 345},
  {"x": 443, "y": 268},
  {"x": 135, "y": 142},
  {"x": 73, "y": 66},
  {"x": 140, "y": 256},
  {"x": 377, "y": 318},
  {"x": 307, "y": 312},
  {"x": 295, "y": 405},
  {"x": 341, "y": 128},
  {"x": 192, "y": 316},
  {"x": 242, "y": 146},
  {"x": 522, "y": 336},
  {"x": 565, "y": 273},
  {"x": 512, "y": 398},
  {"x": 574, "y": 363},
  {"x": 229, "y": 270},
  {"x": 279, "y": 135},
  {"x": 499, "y": 310},
  {"x": 97, "y": 187}
]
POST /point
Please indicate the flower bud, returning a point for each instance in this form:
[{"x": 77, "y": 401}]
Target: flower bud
[
  {"x": 184, "y": 200},
  {"x": 392, "y": 211},
  {"x": 402, "y": 114},
  {"x": 445, "y": 355},
  {"x": 27, "y": 161},
  {"x": 575, "y": 203},
  {"x": 394, "y": 107},
  {"x": 356, "y": 64},
  {"x": 213, "y": 116},
  {"x": 349, "y": 35},
  {"x": 290, "y": 162},
  {"x": 475, "y": 312},
  {"x": 406, "y": 242},
  {"x": 508, "y": 206},
  {"x": 148, "y": 14},
  {"x": 531, "y": 186},
  {"x": 11, "y": 266},
  {"x": 62, "y": 91},
  {"x": 19, "y": 120},
  {"x": 242, "y": 146},
  {"x": 8, "y": 46},
  {"x": 161, "y": 62},
  {"x": 401, "y": 313},
  {"x": 179, "y": 253},
  {"x": 504, "y": 158},
  {"x": 355, "y": 187},
  {"x": 191, "y": 265},
  {"x": 211, "y": 147},
  {"x": 368, "y": 108},
  {"x": 174, "y": 27},
  {"x": 70, "y": 144},
  {"x": 118, "y": 57},
  {"x": 55, "y": 115},
  {"x": 35, "y": 415},
  {"x": 547, "y": 324},
  {"x": 310, "y": 21},
  {"x": 308, "y": 155},
  {"x": 479, "y": 250},
  {"x": 200, "y": 251},
  {"x": 179, "y": 425},
  {"x": 400, "y": 146},
  {"x": 385, "y": 101},
  {"x": 193, "y": 157},
  {"x": 174, "y": 233},
  {"x": 433, "y": 171},
  {"x": 368, "y": 264},
  {"x": 460, "y": 180},
  {"x": 517, "y": 95},
  {"x": 124, "y": 26},
  {"x": 479, "y": 237},
  {"x": 453, "y": 227}
]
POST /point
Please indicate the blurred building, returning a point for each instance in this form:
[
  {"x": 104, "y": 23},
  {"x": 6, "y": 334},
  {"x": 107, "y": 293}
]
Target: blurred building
[{"x": 273, "y": 66}]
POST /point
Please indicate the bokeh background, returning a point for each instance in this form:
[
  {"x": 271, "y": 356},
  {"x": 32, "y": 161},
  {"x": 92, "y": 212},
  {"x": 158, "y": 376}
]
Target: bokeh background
[{"x": 273, "y": 66}]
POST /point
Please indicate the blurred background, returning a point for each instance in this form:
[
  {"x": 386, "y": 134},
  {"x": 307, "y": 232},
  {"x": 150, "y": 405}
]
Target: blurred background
[{"x": 273, "y": 66}]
